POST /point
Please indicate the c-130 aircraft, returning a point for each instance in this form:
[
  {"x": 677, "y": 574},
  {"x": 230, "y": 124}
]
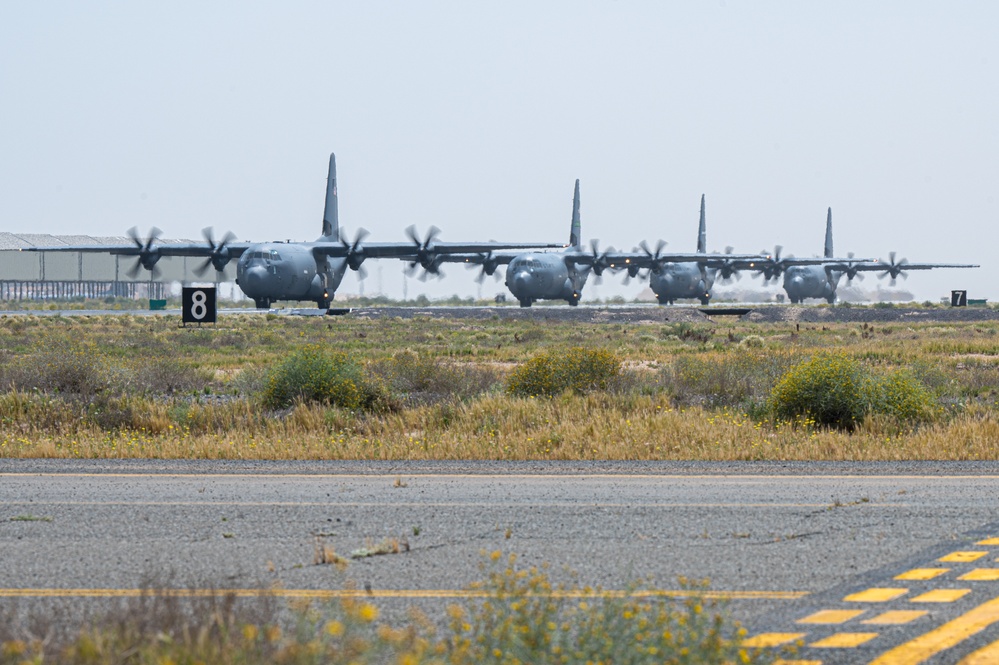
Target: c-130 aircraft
[
  {"x": 820, "y": 279},
  {"x": 303, "y": 271},
  {"x": 561, "y": 275}
]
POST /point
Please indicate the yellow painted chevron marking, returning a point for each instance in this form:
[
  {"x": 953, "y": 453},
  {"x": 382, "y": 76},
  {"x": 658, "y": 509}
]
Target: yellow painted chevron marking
[
  {"x": 988, "y": 541},
  {"x": 764, "y": 640},
  {"x": 843, "y": 641},
  {"x": 944, "y": 637},
  {"x": 875, "y": 595},
  {"x": 922, "y": 573},
  {"x": 981, "y": 575},
  {"x": 940, "y": 596},
  {"x": 963, "y": 557},
  {"x": 831, "y": 616},
  {"x": 987, "y": 655}
]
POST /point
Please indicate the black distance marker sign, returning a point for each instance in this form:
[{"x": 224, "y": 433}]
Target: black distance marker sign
[{"x": 198, "y": 304}]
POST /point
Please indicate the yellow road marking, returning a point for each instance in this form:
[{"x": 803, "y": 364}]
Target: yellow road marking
[
  {"x": 922, "y": 573},
  {"x": 843, "y": 640},
  {"x": 321, "y": 594},
  {"x": 423, "y": 504},
  {"x": 953, "y": 632},
  {"x": 875, "y": 595},
  {"x": 895, "y": 617},
  {"x": 941, "y": 596},
  {"x": 831, "y": 616},
  {"x": 988, "y": 541},
  {"x": 981, "y": 575},
  {"x": 797, "y": 662},
  {"x": 765, "y": 640},
  {"x": 987, "y": 655},
  {"x": 963, "y": 557}
]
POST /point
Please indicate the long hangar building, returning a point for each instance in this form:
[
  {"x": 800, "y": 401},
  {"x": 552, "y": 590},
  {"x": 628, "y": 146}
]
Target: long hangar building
[{"x": 48, "y": 275}]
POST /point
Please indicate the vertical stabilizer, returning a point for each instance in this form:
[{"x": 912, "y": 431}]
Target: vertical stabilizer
[
  {"x": 575, "y": 237},
  {"x": 702, "y": 233},
  {"x": 331, "y": 219},
  {"x": 829, "y": 246}
]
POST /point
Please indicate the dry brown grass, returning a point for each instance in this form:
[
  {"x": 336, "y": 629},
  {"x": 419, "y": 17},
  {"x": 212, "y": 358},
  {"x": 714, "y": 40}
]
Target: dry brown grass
[
  {"x": 679, "y": 400},
  {"x": 594, "y": 427}
]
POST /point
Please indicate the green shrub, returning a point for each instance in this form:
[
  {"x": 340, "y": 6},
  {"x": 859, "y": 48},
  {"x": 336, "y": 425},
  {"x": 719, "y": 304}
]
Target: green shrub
[
  {"x": 554, "y": 372},
  {"x": 687, "y": 332},
  {"x": 317, "y": 374},
  {"x": 834, "y": 390}
]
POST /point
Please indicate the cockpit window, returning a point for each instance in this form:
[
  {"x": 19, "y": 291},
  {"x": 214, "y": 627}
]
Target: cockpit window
[{"x": 275, "y": 256}]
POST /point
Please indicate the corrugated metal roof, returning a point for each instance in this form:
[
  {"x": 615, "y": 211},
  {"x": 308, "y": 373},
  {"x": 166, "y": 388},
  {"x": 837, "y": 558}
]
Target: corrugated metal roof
[{"x": 20, "y": 240}]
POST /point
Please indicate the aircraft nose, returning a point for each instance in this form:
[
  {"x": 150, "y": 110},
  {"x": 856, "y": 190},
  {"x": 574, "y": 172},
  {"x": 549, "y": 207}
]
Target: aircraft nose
[
  {"x": 521, "y": 282},
  {"x": 254, "y": 279}
]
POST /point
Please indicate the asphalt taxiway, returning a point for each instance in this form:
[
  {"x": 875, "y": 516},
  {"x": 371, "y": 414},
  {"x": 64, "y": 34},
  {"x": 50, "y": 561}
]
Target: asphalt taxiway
[{"x": 855, "y": 561}]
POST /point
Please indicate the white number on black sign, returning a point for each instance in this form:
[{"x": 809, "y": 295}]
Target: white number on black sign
[{"x": 199, "y": 306}]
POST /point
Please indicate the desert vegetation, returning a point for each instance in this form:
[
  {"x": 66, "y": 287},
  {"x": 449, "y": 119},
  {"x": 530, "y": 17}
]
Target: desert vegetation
[
  {"x": 519, "y": 616},
  {"x": 267, "y": 386}
]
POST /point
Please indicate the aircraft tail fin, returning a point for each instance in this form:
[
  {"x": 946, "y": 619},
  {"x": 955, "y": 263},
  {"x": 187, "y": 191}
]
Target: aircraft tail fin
[
  {"x": 575, "y": 237},
  {"x": 702, "y": 233},
  {"x": 829, "y": 243},
  {"x": 331, "y": 219}
]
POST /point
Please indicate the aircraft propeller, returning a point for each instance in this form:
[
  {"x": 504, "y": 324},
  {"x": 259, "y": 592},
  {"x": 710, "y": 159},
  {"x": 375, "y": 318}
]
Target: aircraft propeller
[
  {"x": 355, "y": 254},
  {"x": 657, "y": 264},
  {"x": 148, "y": 256},
  {"x": 895, "y": 269},
  {"x": 424, "y": 255},
  {"x": 219, "y": 256},
  {"x": 852, "y": 269},
  {"x": 774, "y": 266},
  {"x": 599, "y": 262},
  {"x": 727, "y": 271},
  {"x": 488, "y": 265}
]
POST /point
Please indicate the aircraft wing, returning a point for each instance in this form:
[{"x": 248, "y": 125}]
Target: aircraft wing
[
  {"x": 412, "y": 251},
  {"x": 876, "y": 266}
]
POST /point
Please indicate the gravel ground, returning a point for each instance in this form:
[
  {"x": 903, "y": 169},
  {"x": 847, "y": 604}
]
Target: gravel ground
[{"x": 655, "y": 314}]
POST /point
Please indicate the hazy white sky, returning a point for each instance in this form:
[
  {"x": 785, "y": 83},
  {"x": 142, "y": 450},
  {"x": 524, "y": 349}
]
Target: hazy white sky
[{"x": 477, "y": 117}]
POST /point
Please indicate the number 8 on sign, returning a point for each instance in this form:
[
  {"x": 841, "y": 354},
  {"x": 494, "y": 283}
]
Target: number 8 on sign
[{"x": 198, "y": 304}]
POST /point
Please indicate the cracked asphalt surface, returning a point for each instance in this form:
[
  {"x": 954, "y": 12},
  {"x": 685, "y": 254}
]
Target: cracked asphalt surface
[{"x": 771, "y": 527}]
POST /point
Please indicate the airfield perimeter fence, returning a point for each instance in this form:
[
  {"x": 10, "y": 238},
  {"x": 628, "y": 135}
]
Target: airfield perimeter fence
[{"x": 92, "y": 289}]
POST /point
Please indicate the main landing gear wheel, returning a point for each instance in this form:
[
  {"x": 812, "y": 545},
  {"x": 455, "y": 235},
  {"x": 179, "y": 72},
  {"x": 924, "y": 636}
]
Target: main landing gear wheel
[
  {"x": 525, "y": 303},
  {"x": 664, "y": 301},
  {"x": 262, "y": 303}
]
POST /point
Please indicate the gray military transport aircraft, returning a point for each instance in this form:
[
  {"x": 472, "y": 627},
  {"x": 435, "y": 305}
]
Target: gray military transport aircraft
[
  {"x": 820, "y": 280},
  {"x": 561, "y": 275},
  {"x": 304, "y": 271},
  {"x": 695, "y": 274}
]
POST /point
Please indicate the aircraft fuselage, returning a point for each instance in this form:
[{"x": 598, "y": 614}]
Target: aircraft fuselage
[
  {"x": 540, "y": 276},
  {"x": 682, "y": 280},
  {"x": 802, "y": 282},
  {"x": 283, "y": 271}
]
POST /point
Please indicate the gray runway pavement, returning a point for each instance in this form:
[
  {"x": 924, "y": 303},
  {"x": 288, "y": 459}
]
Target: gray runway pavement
[{"x": 782, "y": 541}]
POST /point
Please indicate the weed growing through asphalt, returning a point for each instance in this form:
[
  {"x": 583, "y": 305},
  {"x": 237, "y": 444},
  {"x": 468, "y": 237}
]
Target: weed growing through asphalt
[{"x": 516, "y": 615}]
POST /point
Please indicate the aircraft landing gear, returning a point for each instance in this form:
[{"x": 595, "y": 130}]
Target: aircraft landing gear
[
  {"x": 525, "y": 303},
  {"x": 705, "y": 300},
  {"x": 262, "y": 303},
  {"x": 831, "y": 299},
  {"x": 664, "y": 301},
  {"x": 323, "y": 303},
  {"x": 573, "y": 300}
]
